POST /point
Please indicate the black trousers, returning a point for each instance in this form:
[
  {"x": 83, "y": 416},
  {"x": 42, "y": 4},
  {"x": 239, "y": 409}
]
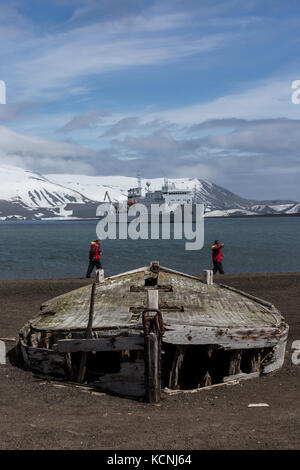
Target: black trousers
[
  {"x": 218, "y": 267},
  {"x": 91, "y": 266}
]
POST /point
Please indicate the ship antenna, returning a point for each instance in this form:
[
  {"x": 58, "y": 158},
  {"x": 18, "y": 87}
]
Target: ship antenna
[
  {"x": 195, "y": 193},
  {"x": 139, "y": 179}
]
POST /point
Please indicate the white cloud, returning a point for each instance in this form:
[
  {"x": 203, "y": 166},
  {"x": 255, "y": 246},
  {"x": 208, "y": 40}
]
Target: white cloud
[
  {"x": 86, "y": 120},
  {"x": 48, "y": 65},
  {"x": 99, "y": 39},
  {"x": 267, "y": 99},
  {"x": 39, "y": 153},
  {"x": 58, "y": 63},
  {"x": 123, "y": 125}
]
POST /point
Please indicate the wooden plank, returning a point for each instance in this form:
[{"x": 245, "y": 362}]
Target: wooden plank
[
  {"x": 172, "y": 271},
  {"x": 233, "y": 380},
  {"x": 100, "y": 275},
  {"x": 241, "y": 376},
  {"x": 228, "y": 338},
  {"x": 177, "y": 363},
  {"x": 151, "y": 368},
  {"x": 152, "y": 299},
  {"x": 22, "y": 352},
  {"x": 128, "y": 382},
  {"x": 151, "y": 348},
  {"x": 88, "y": 334},
  {"x": 235, "y": 362},
  {"x": 249, "y": 296},
  {"x": 201, "y": 389},
  {"x": 45, "y": 361},
  {"x": 208, "y": 276},
  {"x": 126, "y": 273},
  {"x": 277, "y": 360},
  {"x": 101, "y": 344}
]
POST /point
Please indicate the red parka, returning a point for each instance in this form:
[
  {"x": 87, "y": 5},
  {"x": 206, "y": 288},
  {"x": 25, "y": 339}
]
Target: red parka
[
  {"x": 217, "y": 254},
  {"x": 95, "y": 251}
]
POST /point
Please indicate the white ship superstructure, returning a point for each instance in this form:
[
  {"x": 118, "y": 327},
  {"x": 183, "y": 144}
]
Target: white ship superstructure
[{"x": 168, "y": 195}]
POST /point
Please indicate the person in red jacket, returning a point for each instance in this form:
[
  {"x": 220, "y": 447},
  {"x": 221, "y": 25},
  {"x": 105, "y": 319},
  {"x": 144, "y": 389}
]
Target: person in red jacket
[
  {"x": 217, "y": 257},
  {"x": 94, "y": 257}
]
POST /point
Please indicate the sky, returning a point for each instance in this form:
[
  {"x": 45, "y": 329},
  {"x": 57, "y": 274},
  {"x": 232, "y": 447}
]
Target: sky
[{"x": 170, "y": 88}]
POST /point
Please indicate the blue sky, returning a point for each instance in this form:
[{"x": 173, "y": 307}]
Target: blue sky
[{"x": 170, "y": 88}]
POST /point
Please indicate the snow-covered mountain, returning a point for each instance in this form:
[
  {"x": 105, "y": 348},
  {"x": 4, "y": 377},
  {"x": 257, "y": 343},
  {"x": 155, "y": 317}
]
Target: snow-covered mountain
[
  {"x": 34, "y": 190},
  {"x": 24, "y": 194},
  {"x": 28, "y": 195},
  {"x": 218, "y": 201}
]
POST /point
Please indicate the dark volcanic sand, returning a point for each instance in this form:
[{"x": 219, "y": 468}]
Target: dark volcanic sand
[{"x": 38, "y": 415}]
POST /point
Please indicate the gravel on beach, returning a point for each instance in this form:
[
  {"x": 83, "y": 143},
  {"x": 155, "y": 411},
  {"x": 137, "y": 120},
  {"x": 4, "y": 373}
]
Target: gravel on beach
[{"x": 37, "y": 414}]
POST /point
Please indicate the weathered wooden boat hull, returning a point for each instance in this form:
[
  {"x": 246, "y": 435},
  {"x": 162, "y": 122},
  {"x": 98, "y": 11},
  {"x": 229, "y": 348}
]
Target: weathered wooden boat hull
[{"x": 211, "y": 333}]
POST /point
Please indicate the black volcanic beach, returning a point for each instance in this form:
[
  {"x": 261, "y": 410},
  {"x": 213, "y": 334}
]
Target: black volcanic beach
[{"x": 36, "y": 414}]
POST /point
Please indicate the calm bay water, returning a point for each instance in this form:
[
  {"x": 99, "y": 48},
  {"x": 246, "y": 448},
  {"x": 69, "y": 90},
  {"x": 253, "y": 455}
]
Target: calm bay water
[{"x": 51, "y": 249}]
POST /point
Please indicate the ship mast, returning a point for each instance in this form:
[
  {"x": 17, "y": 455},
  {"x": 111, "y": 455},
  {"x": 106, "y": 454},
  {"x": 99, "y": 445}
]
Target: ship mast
[{"x": 139, "y": 179}]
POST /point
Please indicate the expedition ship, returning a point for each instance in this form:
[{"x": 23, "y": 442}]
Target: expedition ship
[
  {"x": 168, "y": 198},
  {"x": 168, "y": 195}
]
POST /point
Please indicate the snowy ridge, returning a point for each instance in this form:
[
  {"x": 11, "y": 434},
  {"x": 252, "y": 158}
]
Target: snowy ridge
[
  {"x": 28, "y": 195},
  {"x": 34, "y": 190},
  {"x": 295, "y": 209}
]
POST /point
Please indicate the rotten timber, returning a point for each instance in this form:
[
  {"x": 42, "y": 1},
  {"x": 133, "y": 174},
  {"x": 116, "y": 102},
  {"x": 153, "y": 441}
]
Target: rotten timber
[
  {"x": 152, "y": 349},
  {"x": 129, "y": 381},
  {"x": 101, "y": 344},
  {"x": 88, "y": 334}
]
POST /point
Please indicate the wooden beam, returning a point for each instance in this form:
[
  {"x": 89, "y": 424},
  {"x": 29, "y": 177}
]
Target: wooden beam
[
  {"x": 235, "y": 362},
  {"x": 152, "y": 350},
  {"x": 254, "y": 360},
  {"x": 206, "y": 380},
  {"x": 208, "y": 276},
  {"x": 151, "y": 368},
  {"x": 177, "y": 363},
  {"x": 227, "y": 337},
  {"x": 241, "y": 376},
  {"x": 277, "y": 359},
  {"x": 154, "y": 266},
  {"x": 249, "y": 296},
  {"x": 88, "y": 334},
  {"x": 152, "y": 300},
  {"x": 100, "y": 275},
  {"x": 129, "y": 381},
  {"x": 100, "y": 344}
]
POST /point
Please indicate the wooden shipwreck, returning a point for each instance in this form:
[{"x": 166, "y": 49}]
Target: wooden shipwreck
[{"x": 154, "y": 328}]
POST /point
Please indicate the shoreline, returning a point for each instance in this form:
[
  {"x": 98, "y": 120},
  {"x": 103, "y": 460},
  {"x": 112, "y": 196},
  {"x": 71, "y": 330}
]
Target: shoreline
[
  {"x": 73, "y": 219},
  {"x": 217, "y": 277}
]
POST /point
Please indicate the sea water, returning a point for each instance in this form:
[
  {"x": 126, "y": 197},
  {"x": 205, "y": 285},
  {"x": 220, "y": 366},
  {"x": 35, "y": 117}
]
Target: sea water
[{"x": 59, "y": 249}]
